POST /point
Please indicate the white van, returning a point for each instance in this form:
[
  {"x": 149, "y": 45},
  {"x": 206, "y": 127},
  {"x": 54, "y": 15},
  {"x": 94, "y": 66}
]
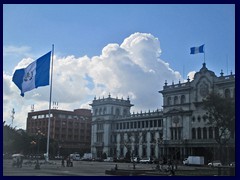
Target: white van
[{"x": 75, "y": 157}]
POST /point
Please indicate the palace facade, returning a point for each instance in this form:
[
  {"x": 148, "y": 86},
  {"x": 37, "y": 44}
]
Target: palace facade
[{"x": 176, "y": 131}]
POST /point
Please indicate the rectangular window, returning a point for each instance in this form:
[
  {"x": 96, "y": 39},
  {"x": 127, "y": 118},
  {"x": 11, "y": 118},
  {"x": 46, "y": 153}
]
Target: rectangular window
[
  {"x": 179, "y": 134},
  {"x": 139, "y": 124},
  {"x": 171, "y": 133},
  {"x": 63, "y": 116},
  {"x": 121, "y": 151},
  {"x": 99, "y": 137},
  {"x": 151, "y": 124},
  {"x": 41, "y": 116},
  {"x": 155, "y": 123},
  {"x": 47, "y": 115},
  {"x": 175, "y": 133},
  {"x": 144, "y": 151},
  {"x": 34, "y": 117},
  {"x": 146, "y": 124},
  {"x": 152, "y": 151}
]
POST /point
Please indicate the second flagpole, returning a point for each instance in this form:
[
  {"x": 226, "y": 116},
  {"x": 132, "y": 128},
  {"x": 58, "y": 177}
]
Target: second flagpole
[{"x": 49, "y": 112}]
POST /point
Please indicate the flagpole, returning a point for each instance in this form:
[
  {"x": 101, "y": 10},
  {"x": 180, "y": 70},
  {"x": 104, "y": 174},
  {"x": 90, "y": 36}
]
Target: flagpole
[
  {"x": 49, "y": 112},
  {"x": 204, "y": 53}
]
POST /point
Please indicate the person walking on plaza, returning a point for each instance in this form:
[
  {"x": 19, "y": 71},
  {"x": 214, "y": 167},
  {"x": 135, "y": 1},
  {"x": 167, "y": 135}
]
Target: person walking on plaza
[{"x": 63, "y": 162}]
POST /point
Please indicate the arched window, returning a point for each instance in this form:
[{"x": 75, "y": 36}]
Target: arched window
[
  {"x": 199, "y": 134},
  {"x": 227, "y": 93},
  {"x": 121, "y": 138},
  {"x": 175, "y": 100},
  {"x": 204, "y": 117},
  {"x": 124, "y": 112},
  {"x": 152, "y": 137},
  {"x": 144, "y": 137},
  {"x": 136, "y": 137},
  {"x": 204, "y": 133},
  {"x": 144, "y": 151},
  {"x": 104, "y": 110},
  {"x": 210, "y": 130},
  {"x": 169, "y": 101},
  {"x": 199, "y": 118},
  {"x": 111, "y": 110},
  {"x": 183, "y": 99},
  {"x": 193, "y": 119},
  {"x": 193, "y": 133},
  {"x": 96, "y": 112},
  {"x": 216, "y": 132},
  {"x": 117, "y": 112}
]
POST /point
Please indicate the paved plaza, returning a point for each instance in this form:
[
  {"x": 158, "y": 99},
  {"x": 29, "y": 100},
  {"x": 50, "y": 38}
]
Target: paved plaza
[
  {"x": 80, "y": 168},
  {"x": 91, "y": 168}
]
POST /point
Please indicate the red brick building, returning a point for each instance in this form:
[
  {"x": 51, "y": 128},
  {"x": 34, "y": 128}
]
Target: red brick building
[{"x": 71, "y": 129}]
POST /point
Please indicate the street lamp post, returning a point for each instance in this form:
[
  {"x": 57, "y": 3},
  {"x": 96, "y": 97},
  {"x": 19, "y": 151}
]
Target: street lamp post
[
  {"x": 39, "y": 134},
  {"x": 134, "y": 165},
  {"x": 159, "y": 142}
]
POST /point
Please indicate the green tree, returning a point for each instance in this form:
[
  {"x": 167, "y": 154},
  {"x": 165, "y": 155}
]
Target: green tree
[
  {"x": 19, "y": 141},
  {"x": 220, "y": 113}
]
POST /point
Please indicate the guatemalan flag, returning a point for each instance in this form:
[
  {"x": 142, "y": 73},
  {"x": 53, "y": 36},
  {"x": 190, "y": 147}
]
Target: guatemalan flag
[
  {"x": 34, "y": 75},
  {"x": 195, "y": 50}
]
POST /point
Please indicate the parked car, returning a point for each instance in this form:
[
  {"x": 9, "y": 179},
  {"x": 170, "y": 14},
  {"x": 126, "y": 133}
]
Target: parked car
[
  {"x": 135, "y": 159},
  {"x": 215, "y": 163},
  {"x": 232, "y": 164},
  {"x": 145, "y": 160},
  {"x": 58, "y": 157},
  {"x": 109, "y": 159}
]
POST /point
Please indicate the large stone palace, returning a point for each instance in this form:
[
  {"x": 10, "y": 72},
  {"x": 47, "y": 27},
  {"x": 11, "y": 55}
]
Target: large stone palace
[{"x": 176, "y": 131}]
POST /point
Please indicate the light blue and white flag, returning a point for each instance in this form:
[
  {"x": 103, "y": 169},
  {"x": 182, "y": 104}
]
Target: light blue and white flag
[
  {"x": 195, "y": 50},
  {"x": 34, "y": 75}
]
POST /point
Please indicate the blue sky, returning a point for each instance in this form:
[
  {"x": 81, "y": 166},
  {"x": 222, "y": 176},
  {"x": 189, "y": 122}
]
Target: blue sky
[
  {"x": 79, "y": 31},
  {"x": 85, "y": 29}
]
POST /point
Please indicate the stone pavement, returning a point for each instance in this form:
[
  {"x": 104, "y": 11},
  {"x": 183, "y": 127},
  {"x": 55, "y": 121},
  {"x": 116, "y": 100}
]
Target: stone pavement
[{"x": 80, "y": 168}]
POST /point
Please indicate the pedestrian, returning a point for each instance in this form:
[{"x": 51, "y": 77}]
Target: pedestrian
[
  {"x": 68, "y": 161},
  {"x": 63, "y": 162},
  {"x": 18, "y": 162}
]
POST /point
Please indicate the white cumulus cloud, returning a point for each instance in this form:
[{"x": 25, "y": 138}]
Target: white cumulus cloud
[{"x": 133, "y": 68}]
